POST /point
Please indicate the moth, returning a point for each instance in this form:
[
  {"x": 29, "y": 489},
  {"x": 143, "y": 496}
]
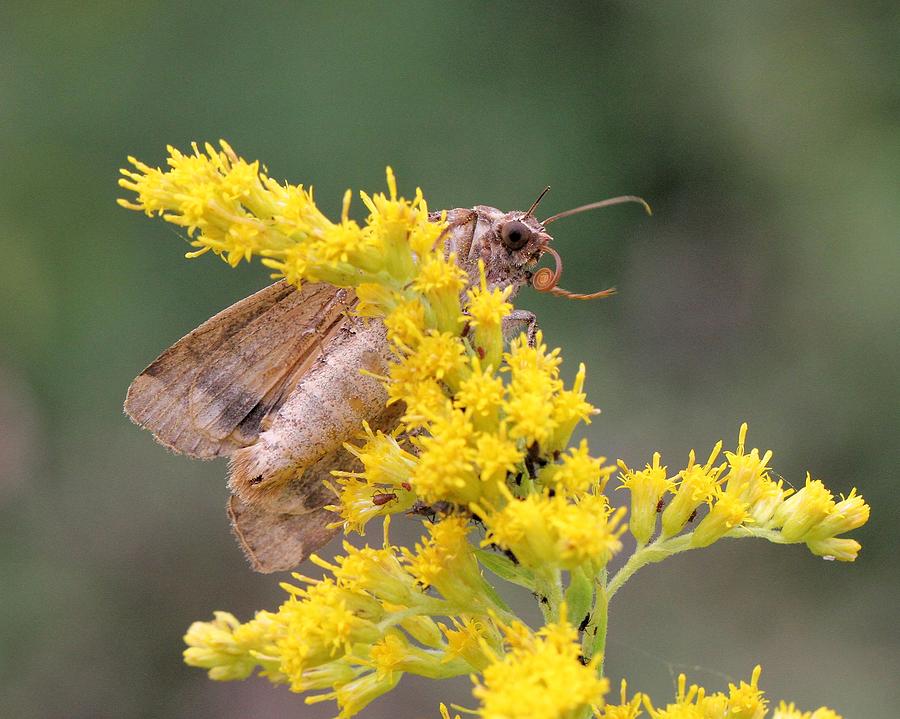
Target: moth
[{"x": 274, "y": 383}]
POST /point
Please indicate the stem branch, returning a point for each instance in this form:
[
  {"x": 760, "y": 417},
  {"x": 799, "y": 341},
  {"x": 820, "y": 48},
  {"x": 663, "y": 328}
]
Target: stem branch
[{"x": 653, "y": 552}]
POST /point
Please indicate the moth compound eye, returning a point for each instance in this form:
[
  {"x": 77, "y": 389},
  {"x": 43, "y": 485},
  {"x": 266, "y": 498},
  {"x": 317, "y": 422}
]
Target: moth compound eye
[{"x": 515, "y": 234}]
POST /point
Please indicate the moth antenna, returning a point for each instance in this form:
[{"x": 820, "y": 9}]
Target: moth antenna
[
  {"x": 547, "y": 280},
  {"x": 533, "y": 207},
  {"x": 597, "y": 205}
]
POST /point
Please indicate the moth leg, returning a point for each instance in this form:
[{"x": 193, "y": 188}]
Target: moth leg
[
  {"x": 517, "y": 322},
  {"x": 349, "y": 305}
]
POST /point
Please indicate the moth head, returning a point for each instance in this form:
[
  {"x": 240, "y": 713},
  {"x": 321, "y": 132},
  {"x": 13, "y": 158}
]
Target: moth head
[
  {"x": 517, "y": 241},
  {"x": 512, "y": 243},
  {"x": 509, "y": 243},
  {"x": 546, "y": 279}
]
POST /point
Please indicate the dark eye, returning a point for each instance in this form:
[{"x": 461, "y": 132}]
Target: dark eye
[{"x": 515, "y": 234}]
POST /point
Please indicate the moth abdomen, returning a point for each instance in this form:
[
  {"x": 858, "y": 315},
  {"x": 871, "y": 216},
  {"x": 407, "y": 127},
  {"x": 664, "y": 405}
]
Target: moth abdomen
[{"x": 325, "y": 409}]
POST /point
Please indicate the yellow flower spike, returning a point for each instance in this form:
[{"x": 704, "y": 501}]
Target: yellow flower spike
[
  {"x": 360, "y": 502},
  {"x": 293, "y": 210},
  {"x": 577, "y": 472},
  {"x": 405, "y": 322},
  {"x": 446, "y": 468},
  {"x": 395, "y": 654},
  {"x": 540, "y": 677},
  {"x": 426, "y": 235},
  {"x": 850, "y": 513},
  {"x": 570, "y": 408},
  {"x": 726, "y": 514},
  {"x": 375, "y": 572},
  {"x": 839, "y": 548},
  {"x": 440, "y": 280},
  {"x": 391, "y": 219},
  {"x": 528, "y": 408},
  {"x": 689, "y": 703},
  {"x": 292, "y": 264},
  {"x": 767, "y": 497},
  {"x": 516, "y": 635},
  {"x": 712, "y": 705},
  {"x": 746, "y": 701},
  {"x": 425, "y": 402},
  {"x": 325, "y": 676},
  {"x": 214, "y": 195},
  {"x": 390, "y": 653},
  {"x": 824, "y": 713},
  {"x": 476, "y": 640},
  {"x": 546, "y": 532},
  {"x": 445, "y": 713},
  {"x": 486, "y": 309},
  {"x": 588, "y": 532},
  {"x": 345, "y": 254},
  {"x": 522, "y": 355},
  {"x": 496, "y": 456},
  {"x": 529, "y": 411},
  {"x": 445, "y": 560},
  {"x": 481, "y": 395},
  {"x": 647, "y": 487},
  {"x": 521, "y": 527},
  {"x": 534, "y": 379},
  {"x": 424, "y": 630},
  {"x": 357, "y": 694},
  {"x": 746, "y": 471},
  {"x": 438, "y": 355},
  {"x": 323, "y": 626},
  {"x": 231, "y": 207},
  {"x": 626, "y": 709},
  {"x": 384, "y": 461},
  {"x": 230, "y": 650},
  {"x": 799, "y": 514},
  {"x": 790, "y": 711},
  {"x": 697, "y": 485}
]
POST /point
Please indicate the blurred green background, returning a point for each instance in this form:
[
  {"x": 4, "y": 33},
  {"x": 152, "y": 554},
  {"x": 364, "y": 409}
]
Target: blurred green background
[{"x": 766, "y": 137}]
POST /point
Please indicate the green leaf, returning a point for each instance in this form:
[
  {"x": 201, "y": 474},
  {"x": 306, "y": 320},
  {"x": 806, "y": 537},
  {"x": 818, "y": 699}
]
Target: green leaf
[
  {"x": 579, "y": 597},
  {"x": 494, "y": 596},
  {"x": 505, "y": 568}
]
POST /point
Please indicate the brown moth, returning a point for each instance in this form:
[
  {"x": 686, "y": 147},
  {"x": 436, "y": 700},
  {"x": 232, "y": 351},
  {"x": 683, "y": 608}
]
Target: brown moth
[{"x": 274, "y": 383}]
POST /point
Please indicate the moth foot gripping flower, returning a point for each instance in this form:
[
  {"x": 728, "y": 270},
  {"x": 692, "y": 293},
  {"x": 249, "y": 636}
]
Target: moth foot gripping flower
[{"x": 388, "y": 373}]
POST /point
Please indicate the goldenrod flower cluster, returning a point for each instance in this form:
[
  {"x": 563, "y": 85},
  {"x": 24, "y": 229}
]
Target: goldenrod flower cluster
[
  {"x": 738, "y": 498},
  {"x": 484, "y": 455}
]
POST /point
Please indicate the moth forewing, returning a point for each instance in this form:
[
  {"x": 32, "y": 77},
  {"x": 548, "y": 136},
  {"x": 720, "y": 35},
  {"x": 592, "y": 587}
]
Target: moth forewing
[
  {"x": 159, "y": 398},
  {"x": 206, "y": 395}
]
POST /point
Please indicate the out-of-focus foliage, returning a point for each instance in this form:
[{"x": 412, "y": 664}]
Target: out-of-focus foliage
[{"x": 766, "y": 138}]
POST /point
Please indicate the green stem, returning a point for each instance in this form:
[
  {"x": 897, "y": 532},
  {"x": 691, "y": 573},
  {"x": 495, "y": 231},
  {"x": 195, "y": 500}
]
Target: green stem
[
  {"x": 666, "y": 547},
  {"x": 549, "y": 587},
  {"x": 772, "y": 535},
  {"x": 653, "y": 552},
  {"x": 432, "y": 608},
  {"x": 596, "y": 644}
]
